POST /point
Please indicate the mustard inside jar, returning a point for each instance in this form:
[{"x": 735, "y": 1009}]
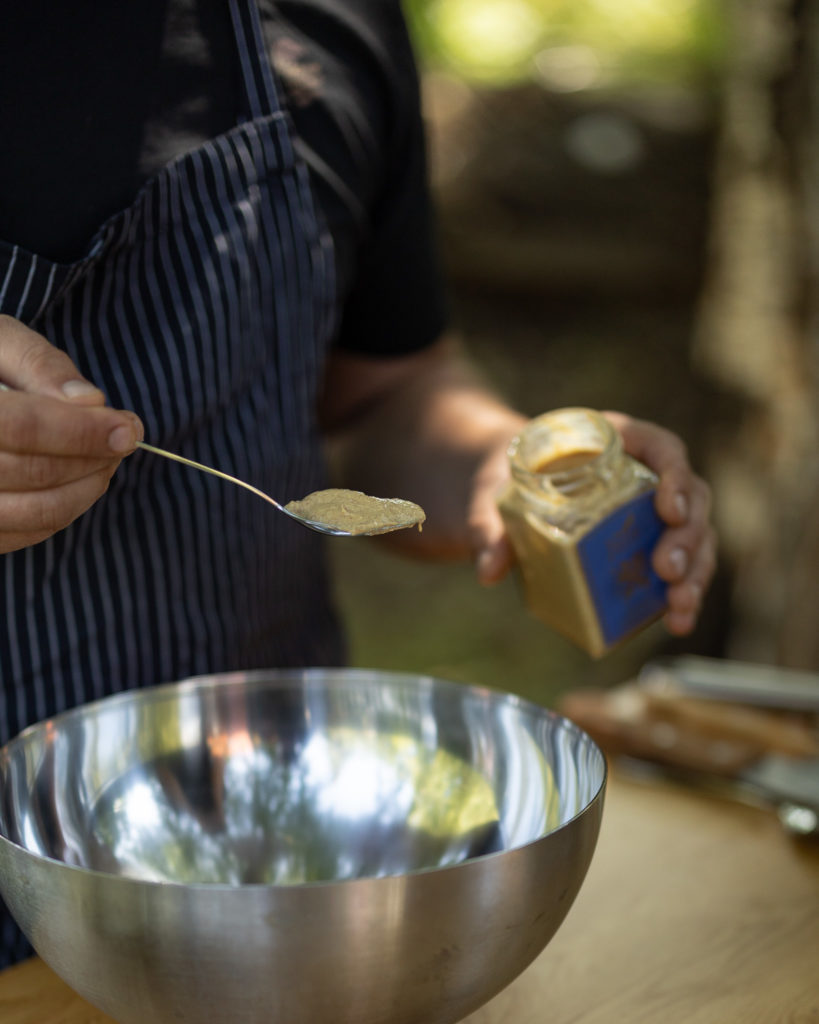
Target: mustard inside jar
[{"x": 581, "y": 519}]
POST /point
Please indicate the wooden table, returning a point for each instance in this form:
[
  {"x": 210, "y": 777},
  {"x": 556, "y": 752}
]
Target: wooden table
[{"x": 694, "y": 911}]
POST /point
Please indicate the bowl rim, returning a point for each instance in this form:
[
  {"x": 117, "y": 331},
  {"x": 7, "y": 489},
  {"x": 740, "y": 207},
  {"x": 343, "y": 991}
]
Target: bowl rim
[{"x": 279, "y": 678}]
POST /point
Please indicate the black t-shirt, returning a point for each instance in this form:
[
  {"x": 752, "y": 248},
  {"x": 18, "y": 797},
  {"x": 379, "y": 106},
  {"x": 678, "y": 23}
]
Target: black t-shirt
[{"x": 95, "y": 97}]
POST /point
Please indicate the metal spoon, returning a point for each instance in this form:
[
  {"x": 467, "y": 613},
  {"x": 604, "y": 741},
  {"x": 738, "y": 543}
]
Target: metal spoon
[
  {"x": 413, "y": 515},
  {"x": 320, "y": 527},
  {"x": 333, "y": 531}
]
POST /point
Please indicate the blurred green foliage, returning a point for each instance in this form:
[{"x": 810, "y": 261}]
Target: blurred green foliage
[{"x": 570, "y": 43}]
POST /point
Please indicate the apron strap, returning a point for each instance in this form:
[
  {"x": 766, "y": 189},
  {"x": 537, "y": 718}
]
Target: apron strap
[{"x": 257, "y": 74}]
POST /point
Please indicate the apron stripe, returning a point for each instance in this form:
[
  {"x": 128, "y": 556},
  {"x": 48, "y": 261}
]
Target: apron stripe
[
  {"x": 8, "y": 275},
  {"x": 21, "y": 305},
  {"x": 254, "y": 83},
  {"x": 157, "y": 319},
  {"x": 190, "y": 365},
  {"x": 192, "y": 489},
  {"x": 201, "y": 357},
  {"x": 260, "y": 87},
  {"x": 17, "y": 714},
  {"x": 49, "y": 287},
  {"x": 196, "y": 487},
  {"x": 38, "y": 695}
]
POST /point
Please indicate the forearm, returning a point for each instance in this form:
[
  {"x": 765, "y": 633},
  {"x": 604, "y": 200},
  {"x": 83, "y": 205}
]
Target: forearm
[{"x": 428, "y": 437}]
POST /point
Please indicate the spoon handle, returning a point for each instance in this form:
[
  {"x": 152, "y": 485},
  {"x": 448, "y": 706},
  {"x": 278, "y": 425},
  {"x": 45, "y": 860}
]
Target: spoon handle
[{"x": 213, "y": 472}]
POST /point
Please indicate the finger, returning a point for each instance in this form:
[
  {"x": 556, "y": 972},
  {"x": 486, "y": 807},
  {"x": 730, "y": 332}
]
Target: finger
[
  {"x": 683, "y": 497},
  {"x": 685, "y": 597},
  {"x": 704, "y": 563},
  {"x": 684, "y": 603},
  {"x": 666, "y": 455},
  {"x": 493, "y": 562},
  {"x": 676, "y": 549},
  {"x": 43, "y": 472},
  {"x": 40, "y": 425},
  {"x": 491, "y": 550},
  {"x": 29, "y": 362},
  {"x": 43, "y": 513},
  {"x": 681, "y": 621},
  {"x": 650, "y": 443}
]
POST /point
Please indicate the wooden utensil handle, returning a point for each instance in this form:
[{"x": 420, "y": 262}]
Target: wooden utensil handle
[{"x": 621, "y": 723}]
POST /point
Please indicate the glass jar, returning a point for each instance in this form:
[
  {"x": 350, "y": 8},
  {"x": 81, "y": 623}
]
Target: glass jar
[{"x": 580, "y": 516}]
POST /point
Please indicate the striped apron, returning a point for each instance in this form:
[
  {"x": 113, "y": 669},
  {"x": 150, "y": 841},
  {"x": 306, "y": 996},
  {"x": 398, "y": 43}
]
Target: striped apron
[{"x": 206, "y": 307}]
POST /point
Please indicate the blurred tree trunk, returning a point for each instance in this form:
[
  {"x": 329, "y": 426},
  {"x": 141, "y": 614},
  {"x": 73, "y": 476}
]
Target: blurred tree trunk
[{"x": 758, "y": 336}]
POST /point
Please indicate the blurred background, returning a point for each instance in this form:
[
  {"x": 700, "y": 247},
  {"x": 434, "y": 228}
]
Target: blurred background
[{"x": 628, "y": 212}]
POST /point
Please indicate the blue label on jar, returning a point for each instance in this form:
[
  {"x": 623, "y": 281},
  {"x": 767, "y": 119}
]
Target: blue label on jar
[{"x": 616, "y": 559}]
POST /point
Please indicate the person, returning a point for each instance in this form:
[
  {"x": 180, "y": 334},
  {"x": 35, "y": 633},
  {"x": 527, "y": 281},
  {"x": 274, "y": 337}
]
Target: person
[{"x": 217, "y": 237}]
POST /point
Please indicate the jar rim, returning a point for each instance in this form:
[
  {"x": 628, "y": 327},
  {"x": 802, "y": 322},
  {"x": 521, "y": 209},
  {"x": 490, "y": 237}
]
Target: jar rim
[{"x": 605, "y": 445}]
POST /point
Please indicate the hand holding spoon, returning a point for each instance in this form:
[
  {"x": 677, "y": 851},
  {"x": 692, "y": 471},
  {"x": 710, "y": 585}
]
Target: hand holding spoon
[{"x": 337, "y": 512}]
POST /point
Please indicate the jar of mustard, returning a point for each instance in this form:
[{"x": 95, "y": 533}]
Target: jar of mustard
[{"x": 580, "y": 516}]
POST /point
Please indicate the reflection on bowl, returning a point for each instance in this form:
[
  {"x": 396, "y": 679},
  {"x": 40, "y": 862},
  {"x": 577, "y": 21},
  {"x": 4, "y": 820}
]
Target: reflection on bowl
[{"x": 297, "y": 846}]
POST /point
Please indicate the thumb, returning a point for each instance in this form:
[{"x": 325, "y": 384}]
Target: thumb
[
  {"x": 29, "y": 362},
  {"x": 491, "y": 549},
  {"x": 493, "y": 561},
  {"x": 490, "y": 545}
]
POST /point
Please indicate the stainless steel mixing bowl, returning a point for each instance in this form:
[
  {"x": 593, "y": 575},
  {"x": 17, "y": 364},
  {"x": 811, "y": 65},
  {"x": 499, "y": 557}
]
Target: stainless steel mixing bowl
[{"x": 297, "y": 847}]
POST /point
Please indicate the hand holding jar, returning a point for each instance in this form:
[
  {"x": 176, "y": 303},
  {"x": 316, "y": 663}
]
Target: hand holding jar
[{"x": 607, "y": 522}]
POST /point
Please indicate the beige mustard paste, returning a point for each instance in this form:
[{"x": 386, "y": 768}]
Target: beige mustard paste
[{"x": 357, "y": 513}]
